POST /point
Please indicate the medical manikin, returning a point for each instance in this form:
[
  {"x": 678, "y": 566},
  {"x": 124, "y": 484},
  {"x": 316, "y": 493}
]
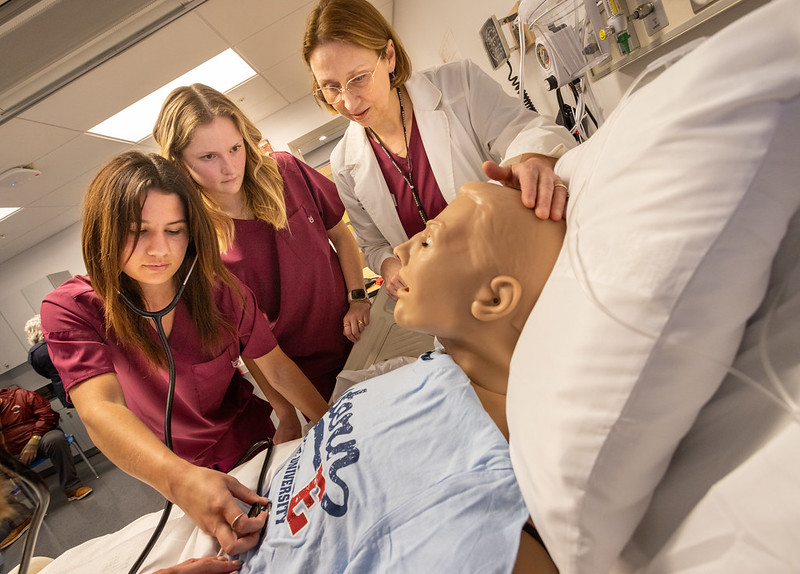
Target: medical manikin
[{"x": 410, "y": 470}]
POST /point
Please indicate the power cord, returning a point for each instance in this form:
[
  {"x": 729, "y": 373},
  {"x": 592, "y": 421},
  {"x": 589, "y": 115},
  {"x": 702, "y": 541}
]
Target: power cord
[{"x": 515, "y": 82}]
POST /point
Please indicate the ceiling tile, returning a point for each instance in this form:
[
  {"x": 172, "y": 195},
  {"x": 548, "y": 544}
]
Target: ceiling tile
[
  {"x": 70, "y": 194},
  {"x": 275, "y": 43},
  {"x": 287, "y": 81},
  {"x": 226, "y": 15},
  {"x": 126, "y": 78},
  {"x": 257, "y": 98},
  {"x": 23, "y": 142}
]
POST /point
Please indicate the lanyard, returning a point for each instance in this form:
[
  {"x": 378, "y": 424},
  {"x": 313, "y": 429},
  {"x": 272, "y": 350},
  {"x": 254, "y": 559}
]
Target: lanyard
[{"x": 408, "y": 178}]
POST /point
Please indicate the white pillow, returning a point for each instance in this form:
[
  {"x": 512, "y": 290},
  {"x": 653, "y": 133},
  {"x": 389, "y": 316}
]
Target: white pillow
[
  {"x": 728, "y": 502},
  {"x": 678, "y": 204}
]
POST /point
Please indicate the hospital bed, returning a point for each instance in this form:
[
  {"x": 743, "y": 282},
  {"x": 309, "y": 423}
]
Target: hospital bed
[
  {"x": 383, "y": 346},
  {"x": 638, "y": 434}
]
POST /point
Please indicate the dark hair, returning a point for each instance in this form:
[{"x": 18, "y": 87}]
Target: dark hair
[{"x": 112, "y": 207}]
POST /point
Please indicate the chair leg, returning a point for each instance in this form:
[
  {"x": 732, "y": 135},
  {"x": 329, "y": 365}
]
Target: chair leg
[{"x": 74, "y": 441}]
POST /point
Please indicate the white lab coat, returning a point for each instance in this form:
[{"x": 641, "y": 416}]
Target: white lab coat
[{"x": 464, "y": 118}]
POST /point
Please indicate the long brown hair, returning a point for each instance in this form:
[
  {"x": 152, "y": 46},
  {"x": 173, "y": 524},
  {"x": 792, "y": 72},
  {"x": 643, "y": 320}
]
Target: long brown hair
[
  {"x": 112, "y": 208},
  {"x": 355, "y": 22},
  {"x": 186, "y": 108}
]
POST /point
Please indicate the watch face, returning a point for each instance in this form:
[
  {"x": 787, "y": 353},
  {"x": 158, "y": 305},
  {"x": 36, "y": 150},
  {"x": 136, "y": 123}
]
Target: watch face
[{"x": 358, "y": 294}]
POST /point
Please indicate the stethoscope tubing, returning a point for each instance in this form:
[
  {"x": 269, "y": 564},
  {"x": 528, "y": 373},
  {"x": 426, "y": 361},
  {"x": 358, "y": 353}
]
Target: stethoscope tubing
[{"x": 157, "y": 317}]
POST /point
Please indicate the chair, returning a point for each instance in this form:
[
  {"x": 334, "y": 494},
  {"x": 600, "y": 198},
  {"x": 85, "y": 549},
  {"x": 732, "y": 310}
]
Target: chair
[
  {"x": 37, "y": 492},
  {"x": 73, "y": 442}
]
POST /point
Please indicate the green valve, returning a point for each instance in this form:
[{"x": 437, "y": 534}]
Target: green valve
[{"x": 622, "y": 40}]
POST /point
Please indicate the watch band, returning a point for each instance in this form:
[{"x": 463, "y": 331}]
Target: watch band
[{"x": 358, "y": 295}]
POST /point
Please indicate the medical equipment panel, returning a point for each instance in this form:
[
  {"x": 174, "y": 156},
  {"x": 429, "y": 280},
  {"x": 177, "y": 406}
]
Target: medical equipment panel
[
  {"x": 607, "y": 35},
  {"x": 646, "y": 25}
]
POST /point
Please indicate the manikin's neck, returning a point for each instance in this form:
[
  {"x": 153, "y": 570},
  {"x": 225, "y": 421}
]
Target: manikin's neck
[{"x": 486, "y": 362}]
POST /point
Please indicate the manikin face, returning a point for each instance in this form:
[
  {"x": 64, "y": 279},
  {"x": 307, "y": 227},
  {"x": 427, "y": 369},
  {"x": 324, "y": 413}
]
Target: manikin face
[
  {"x": 439, "y": 273},
  {"x": 162, "y": 244},
  {"x": 336, "y": 63},
  {"x": 216, "y": 159}
]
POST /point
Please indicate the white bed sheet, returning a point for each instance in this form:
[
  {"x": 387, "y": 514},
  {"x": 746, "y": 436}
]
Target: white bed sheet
[{"x": 181, "y": 539}]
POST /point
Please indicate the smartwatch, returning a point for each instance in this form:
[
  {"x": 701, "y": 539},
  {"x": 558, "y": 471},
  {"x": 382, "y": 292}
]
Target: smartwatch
[{"x": 358, "y": 295}]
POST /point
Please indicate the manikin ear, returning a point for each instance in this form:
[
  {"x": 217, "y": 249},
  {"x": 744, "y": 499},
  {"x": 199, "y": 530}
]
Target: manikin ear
[{"x": 497, "y": 299}]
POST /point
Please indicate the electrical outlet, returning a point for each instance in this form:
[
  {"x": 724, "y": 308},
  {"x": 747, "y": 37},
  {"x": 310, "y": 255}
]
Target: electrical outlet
[{"x": 653, "y": 16}]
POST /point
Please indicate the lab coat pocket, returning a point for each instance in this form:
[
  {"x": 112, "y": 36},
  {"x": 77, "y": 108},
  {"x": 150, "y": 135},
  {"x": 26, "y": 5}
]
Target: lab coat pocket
[{"x": 212, "y": 380}]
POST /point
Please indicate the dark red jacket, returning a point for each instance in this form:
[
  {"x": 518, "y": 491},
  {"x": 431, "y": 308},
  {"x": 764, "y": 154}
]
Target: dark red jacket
[{"x": 23, "y": 414}]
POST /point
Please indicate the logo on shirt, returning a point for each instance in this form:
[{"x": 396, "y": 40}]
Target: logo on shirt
[{"x": 334, "y": 449}]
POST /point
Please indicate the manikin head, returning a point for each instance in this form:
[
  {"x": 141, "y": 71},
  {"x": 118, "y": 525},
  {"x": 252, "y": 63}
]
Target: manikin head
[{"x": 473, "y": 276}]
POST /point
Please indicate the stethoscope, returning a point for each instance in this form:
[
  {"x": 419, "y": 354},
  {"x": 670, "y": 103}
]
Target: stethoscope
[{"x": 157, "y": 317}]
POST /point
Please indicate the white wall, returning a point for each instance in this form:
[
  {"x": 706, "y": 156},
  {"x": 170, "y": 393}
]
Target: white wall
[
  {"x": 61, "y": 252},
  {"x": 430, "y": 29}
]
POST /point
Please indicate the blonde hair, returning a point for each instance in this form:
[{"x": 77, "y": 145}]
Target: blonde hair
[
  {"x": 112, "y": 208},
  {"x": 188, "y": 107},
  {"x": 33, "y": 330},
  {"x": 356, "y": 22}
]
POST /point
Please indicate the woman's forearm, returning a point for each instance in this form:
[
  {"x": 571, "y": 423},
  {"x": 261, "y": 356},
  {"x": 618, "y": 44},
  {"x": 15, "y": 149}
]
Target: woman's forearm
[
  {"x": 124, "y": 439},
  {"x": 348, "y": 254},
  {"x": 287, "y": 378}
]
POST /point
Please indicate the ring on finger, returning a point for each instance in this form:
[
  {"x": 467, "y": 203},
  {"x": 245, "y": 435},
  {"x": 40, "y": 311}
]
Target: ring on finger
[
  {"x": 233, "y": 523},
  {"x": 360, "y": 322}
]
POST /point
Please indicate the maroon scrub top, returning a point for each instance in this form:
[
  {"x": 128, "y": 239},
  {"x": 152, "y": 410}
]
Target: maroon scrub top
[
  {"x": 422, "y": 177},
  {"x": 295, "y": 273},
  {"x": 215, "y": 415}
]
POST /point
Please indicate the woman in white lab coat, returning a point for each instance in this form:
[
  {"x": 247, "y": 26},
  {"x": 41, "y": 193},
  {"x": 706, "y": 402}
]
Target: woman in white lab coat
[{"x": 416, "y": 138}]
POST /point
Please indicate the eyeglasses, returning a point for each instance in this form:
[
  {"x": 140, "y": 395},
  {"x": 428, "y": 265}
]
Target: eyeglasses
[{"x": 356, "y": 86}]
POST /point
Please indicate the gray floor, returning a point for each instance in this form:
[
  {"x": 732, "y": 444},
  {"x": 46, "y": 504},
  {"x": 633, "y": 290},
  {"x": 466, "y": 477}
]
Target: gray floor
[{"x": 117, "y": 500}]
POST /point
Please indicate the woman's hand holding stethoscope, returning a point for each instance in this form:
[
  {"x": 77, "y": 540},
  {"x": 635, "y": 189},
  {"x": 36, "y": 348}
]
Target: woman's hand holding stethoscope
[
  {"x": 356, "y": 320},
  {"x": 542, "y": 190},
  {"x": 210, "y": 497}
]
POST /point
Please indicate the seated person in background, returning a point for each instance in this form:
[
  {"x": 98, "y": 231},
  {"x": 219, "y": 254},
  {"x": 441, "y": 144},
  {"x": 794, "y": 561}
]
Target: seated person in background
[
  {"x": 411, "y": 469},
  {"x": 39, "y": 357},
  {"x": 30, "y": 430}
]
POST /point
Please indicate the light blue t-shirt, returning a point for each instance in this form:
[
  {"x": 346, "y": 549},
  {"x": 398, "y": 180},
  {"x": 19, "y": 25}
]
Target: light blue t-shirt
[{"x": 405, "y": 473}]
